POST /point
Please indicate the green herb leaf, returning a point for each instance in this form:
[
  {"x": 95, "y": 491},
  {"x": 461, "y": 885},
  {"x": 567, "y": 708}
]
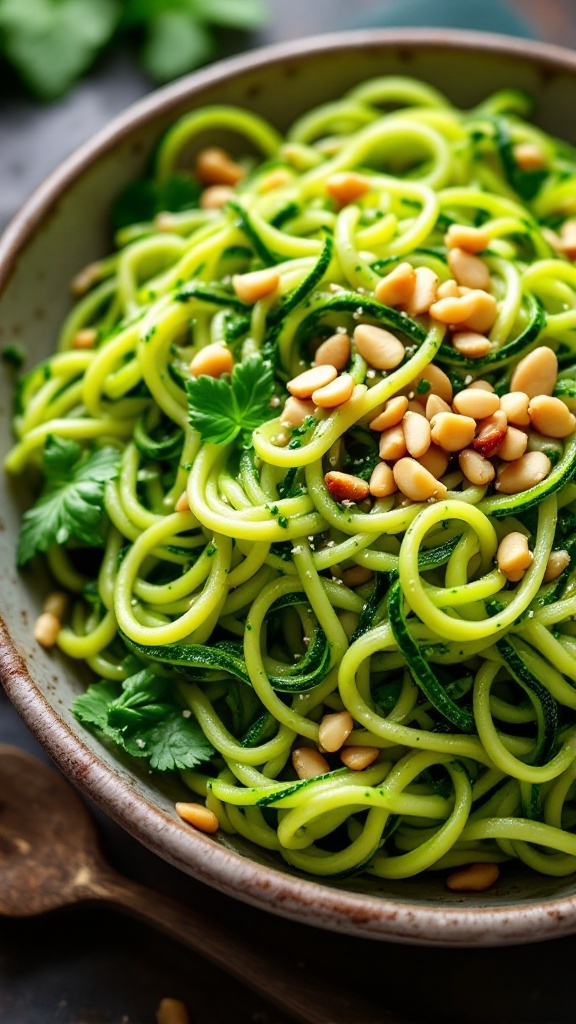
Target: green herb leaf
[
  {"x": 51, "y": 42},
  {"x": 72, "y": 501},
  {"x": 91, "y": 708},
  {"x": 221, "y": 409},
  {"x": 242, "y": 14},
  {"x": 176, "y": 43}
]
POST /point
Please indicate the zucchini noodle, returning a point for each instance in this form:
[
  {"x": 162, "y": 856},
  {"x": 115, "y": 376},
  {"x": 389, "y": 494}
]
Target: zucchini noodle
[{"x": 261, "y": 583}]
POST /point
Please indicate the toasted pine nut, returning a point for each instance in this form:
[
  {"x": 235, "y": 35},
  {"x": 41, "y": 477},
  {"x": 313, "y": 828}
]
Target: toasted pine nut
[
  {"x": 529, "y": 156},
  {"x": 182, "y": 505},
  {"x": 308, "y": 763},
  {"x": 295, "y": 411},
  {"x": 451, "y": 310},
  {"x": 491, "y": 434},
  {"x": 275, "y": 179},
  {"x": 451, "y": 431},
  {"x": 434, "y": 405},
  {"x": 468, "y": 270},
  {"x": 478, "y": 470},
  {"x": 567, "y": 239},
  {"x": 347, "y": 186},
  {"x": 514, "y": 556},
  {"x": 212, "y": 361},
  {"x": 416, "y": 482},
  {"x": 435, "y": 460},
  {"x": 378, "y": 347},
  {"x": 335, "y": 393},
  {"x": 335, "y": 351},
  {"x": 345, "y": 487},
  {"x": 515, "y": 405},
  {"x": 476, "y": 402},
  {"x": 56, "y": 603},
  {"x": 448, "y": 290},
  {"x": 85, "y": 338},
  {"x": 86, "y": 278},
  {"x": 255, "y": 285},
  {"x": 356, "y": 576},
  {"x": 391, "y": 414},
  {"x": 513, "y": 445},
  {"x": 439, "y": 382},
  {"x": 476, "y": 310},
  {"x": 471, "y": 344},
  {"x": 484, "y": 385},
  {"x": 396, "y": 288},
  {"x": 424, "y": 292},
  {"x": 358, "y": 758},
  {"x": 416, "y": 433},
  {"x": 525, "y": 472},
  {"x": 473, "y": 878},
  {"x": 551, "y": 417},
  {"x": 214, "y": 166},
  {"x": 462, "y": 236},
  {"x": 392, "y": 443},
  {"x": 536, "y": 374},
  {"x": 215, "y": 197},
  {"x": 172, "y": 1011},
  {"x": 416, "y": 407},
  {"x": 46, "y": 629},
  {"x": 199, "y": 816},
  {"x": 382, "y": 482},
  {"x": 557, "y": 562},
  {"x": 335, "y": 730},
  {"x": 306, "y": 383}
]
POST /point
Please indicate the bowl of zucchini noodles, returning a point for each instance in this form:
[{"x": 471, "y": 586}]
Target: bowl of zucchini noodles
[{"x": 289, "y": 444}]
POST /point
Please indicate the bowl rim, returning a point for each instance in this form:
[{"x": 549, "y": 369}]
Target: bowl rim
[{"x": 299, "y": 898}]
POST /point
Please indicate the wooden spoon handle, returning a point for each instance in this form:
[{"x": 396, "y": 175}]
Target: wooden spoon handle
[{"x": 307, "y": 997}]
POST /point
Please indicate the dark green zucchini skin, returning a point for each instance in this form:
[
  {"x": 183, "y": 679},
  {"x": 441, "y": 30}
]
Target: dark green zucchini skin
[{"x": 546, "y": 706}]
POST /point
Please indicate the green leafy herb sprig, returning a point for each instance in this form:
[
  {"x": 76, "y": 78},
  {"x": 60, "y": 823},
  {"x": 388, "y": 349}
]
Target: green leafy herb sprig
[
  {"x": 231, "y": 407},
  {"x": 51, "y": 43}
]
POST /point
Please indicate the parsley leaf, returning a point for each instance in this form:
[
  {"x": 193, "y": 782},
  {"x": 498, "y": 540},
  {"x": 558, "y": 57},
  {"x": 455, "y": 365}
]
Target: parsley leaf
[
  {"x": 223, "y": 408},
  {"x": 72, "y": 501},
  {"x": 91, "y": 708}
]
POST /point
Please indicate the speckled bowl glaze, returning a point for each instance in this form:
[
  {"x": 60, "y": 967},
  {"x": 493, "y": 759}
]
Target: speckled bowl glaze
[{"x": 64, "y": 226}]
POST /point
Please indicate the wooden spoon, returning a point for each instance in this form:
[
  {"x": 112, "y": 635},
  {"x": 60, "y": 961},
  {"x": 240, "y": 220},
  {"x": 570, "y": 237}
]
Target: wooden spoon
[{"x": 49, "y": 859}]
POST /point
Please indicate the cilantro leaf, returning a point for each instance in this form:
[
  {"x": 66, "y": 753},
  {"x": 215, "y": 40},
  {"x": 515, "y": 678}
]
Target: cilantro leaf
[
  {"x": 72, "y": 501},
  {"x": 223, "y": 408},
  {"x": 91, "y": 708}
]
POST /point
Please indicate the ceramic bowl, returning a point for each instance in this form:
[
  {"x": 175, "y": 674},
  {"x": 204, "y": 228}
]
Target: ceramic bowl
[{"x": 63, "y": 227}]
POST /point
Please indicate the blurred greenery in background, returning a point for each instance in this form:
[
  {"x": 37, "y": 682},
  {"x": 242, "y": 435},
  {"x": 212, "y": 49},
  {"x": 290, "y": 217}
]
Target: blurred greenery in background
[{"x": 51, "y": 43}]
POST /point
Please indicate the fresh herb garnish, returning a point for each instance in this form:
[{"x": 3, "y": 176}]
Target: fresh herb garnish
[
  {"x": 72, "y": 501},
  {"x": 225, "y": 408}
]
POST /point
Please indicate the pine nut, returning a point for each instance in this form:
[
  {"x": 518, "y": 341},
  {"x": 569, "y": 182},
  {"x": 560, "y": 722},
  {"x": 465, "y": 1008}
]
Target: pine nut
[
  {"x": 550, "y": 416},
  {"x": 295, "y": 411},
  {"x": 567, "y": 239},
  {"x": 514, "y": 556},
  {"x": 306, "y": 383},
  {"x": 475, "y": 310},
  {"x": 335, "y": 730},
  {"x": 212, "y": 361},
  {"x": 424, "y": 292},
  {"x": 478, "y": 470},
  {"x": 484, "y": 385},
  {"x": 215, "y": 166},
  {"x": 471, "y": 344},
  {"x": 46, "y": 629},
  {"x": 378, "y": 347},
  {"x": 434, "y": 405},
  {"x": 345, "y": 487},
  {"x": 416, "y": 407},
  {"x": 86, "y": 338},
  {"x": 473, "y": 878},
  {"x": 382, "y": 482},
  {"x": 356, "y": 576},
  {"x": 491, "y": 434},
  {"x": 525, "y": 472},
  {"x": 182, "y": 505},
  {"x": 391, "y": 414},
  {"x": 468, "y": 270},
  {"x": 172, "y": 1011},
  {"x": 199, "y": 816},
  {"x": 275, "y": 179},
  {"x": 537, "y": 373},
  {"x": 358, "y": 758},
  {"x": 416, "y": 433},
  {"x": 417, "y": 483},
  {"x": 515, "y": 405},
  {"x": 448, "y": 290},
  {"x": 335, "y": 351},
  {"x": 347, "y": 186},
  {"x": 255, "y": 285},
  {"x": 335, "y": 393},
  {"x": 451, "y": 310},
  {"x": 558, "y": 561},
  {"x": 451, "y": 431},
  {"x": 309, "y": 763},
  {"x": 435, "y": 460},
  {"x": 529, "y": 156},
  {"x": 463, "y": 236},
  {"x": 215, "y": 197},
  {"x": 514, "y": 444},
  {"x": 439, "y": 382},
  {"x": 476, "y": 402},
  {"x": 396, "y": 288},
  {"x": 85, "y": 279},
  {"x": 56, "y": 603},
  {"x": 392, "y": 443}
]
